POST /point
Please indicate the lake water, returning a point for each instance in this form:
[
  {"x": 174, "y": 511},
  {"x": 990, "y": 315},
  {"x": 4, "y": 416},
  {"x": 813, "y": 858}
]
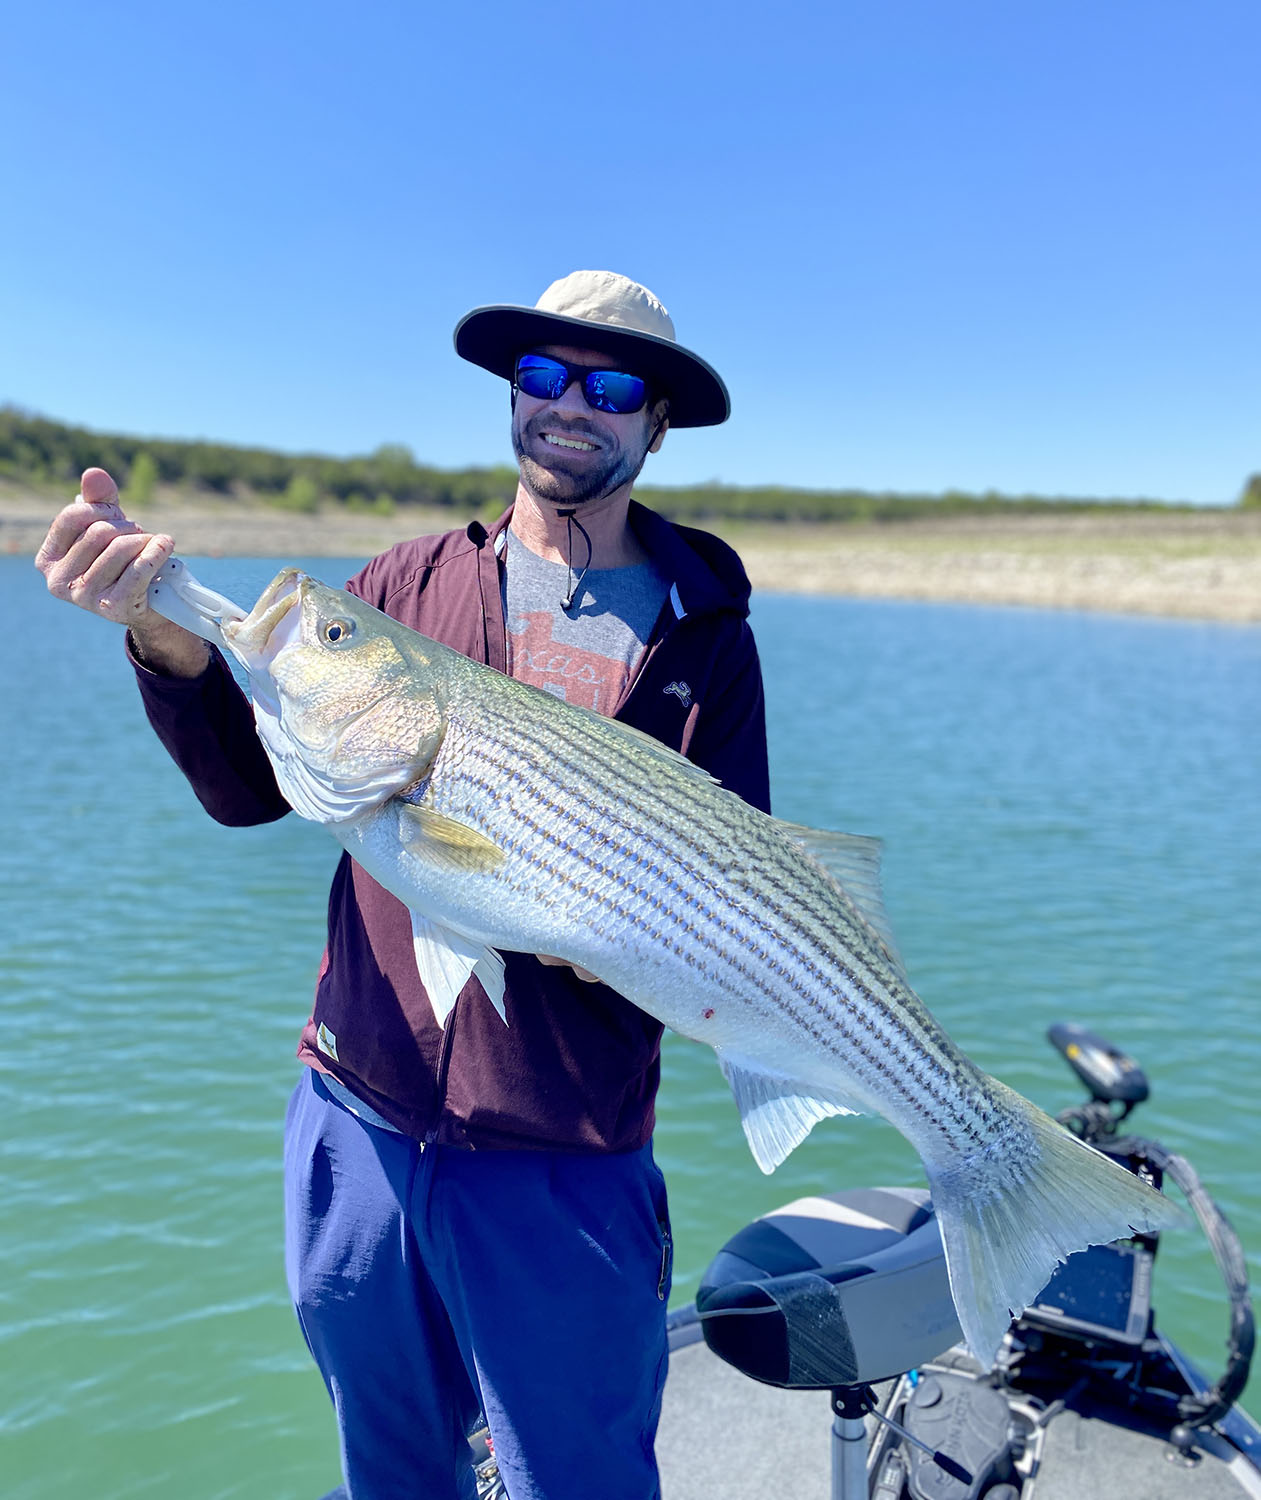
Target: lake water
[{"x": 1069, "y": 805}]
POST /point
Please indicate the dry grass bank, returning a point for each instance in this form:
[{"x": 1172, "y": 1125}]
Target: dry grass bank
[{"x": 1196, "y": 565}]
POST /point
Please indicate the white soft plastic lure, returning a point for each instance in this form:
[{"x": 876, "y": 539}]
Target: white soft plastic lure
[{"x": 176, "y": 595}]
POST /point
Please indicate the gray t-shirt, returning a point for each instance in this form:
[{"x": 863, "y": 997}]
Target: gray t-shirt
[{"x": 584, "y": 654}]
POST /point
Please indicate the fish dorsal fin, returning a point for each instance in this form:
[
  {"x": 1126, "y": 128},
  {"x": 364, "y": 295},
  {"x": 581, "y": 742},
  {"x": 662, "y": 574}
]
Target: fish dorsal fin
[
  {"x": 445, "y": 960},
  {"x": 853, "y": 861},
  {"x": 777, "y": 1113},
  {"x": 431, "y": 836}
]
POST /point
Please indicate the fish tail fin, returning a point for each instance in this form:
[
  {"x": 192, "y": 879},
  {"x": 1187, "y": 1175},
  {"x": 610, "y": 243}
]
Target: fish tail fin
[{"x": 1008, "y": 1217}]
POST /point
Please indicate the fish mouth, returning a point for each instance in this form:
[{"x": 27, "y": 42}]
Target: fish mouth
[{"x": 271, "y": 625}]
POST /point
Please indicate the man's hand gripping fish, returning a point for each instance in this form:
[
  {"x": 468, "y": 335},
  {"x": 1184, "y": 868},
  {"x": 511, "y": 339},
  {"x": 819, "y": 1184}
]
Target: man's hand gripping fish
[{"x": 504, "y": 818}]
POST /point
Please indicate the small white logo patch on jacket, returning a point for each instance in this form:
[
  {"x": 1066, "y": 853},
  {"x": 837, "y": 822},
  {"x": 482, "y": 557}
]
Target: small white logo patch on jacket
[
  {"x": 681, "y": 691},
  {"x": 326, "y": 1042}
]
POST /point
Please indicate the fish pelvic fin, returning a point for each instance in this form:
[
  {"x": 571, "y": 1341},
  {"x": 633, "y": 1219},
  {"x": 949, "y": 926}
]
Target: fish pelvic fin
[
  {"x": 1009, "y": 1215},
  {"x": 431, "y": 836},
  {"x": 777, "y": 1113},
  {"x": 446, "y": 960}
]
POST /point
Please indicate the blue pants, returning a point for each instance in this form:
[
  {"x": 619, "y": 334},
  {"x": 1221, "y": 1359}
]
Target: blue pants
[{"x": 433, "y": 1281}]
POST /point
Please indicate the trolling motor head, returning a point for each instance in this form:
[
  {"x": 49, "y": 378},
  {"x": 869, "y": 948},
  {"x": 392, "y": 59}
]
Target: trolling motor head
[{"x": 1111, "y": 1076}]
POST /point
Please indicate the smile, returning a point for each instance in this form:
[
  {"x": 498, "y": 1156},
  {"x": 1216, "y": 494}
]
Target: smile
[{"x": 560, "y": 442}]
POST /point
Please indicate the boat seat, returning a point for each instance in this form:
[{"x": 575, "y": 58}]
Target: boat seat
[{"x": 831, "y": 1291}]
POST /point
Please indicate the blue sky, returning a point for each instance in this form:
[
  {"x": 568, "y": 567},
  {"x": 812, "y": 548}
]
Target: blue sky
[{"x": 1009, "y": 244}]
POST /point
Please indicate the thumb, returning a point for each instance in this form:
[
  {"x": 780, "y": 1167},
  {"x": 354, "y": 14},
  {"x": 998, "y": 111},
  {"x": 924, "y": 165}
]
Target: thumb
[{"x": 97, "y": 488}]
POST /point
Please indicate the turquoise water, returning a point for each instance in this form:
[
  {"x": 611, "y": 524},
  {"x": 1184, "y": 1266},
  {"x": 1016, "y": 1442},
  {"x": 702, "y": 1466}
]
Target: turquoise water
[{"x": 1070, "y": 811}]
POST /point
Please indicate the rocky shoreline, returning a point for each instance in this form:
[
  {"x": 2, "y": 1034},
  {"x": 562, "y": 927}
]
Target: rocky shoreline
[
  {"x": 1189, "y": 565},
  {"x": 1181, "y": 565}
]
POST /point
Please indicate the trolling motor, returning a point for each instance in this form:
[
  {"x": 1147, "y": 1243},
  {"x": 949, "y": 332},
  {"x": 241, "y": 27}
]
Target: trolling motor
[{"x": 1116, "y": 1085}]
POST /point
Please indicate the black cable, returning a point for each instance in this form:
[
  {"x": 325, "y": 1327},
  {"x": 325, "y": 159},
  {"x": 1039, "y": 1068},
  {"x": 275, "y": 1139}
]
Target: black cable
[
  {"x": 1213, "y": 1404},
  {"x": 571, "y": 520}
]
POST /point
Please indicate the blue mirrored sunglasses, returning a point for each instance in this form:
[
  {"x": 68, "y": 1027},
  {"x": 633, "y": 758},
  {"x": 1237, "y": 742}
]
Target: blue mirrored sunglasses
[{"x": 604, "y": 390}]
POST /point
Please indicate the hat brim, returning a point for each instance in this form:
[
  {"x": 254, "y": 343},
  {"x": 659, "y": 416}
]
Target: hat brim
[{"x": 496, "y": 337}]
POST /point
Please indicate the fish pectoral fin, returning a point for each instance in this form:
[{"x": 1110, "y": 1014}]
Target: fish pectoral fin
[
  {"x": 777, "y": 1113},
  {"x": 430, "y": 835},
  {"x": 446, "y": 960},
  {"x": 853, "y": 861}
]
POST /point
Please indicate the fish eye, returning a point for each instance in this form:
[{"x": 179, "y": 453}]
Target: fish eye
[{"x": 333, "y": 632}]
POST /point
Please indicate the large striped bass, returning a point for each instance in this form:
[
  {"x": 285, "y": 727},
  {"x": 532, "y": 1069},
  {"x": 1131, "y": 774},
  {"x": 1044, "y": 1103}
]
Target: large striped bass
[{"x": 506, "y": 819}]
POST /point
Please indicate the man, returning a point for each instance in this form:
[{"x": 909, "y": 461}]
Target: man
[{"x": 474, "y": 1218}]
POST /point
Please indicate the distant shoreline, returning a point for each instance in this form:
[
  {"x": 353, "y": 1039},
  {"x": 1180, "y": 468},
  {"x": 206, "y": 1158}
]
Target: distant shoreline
[{"x": 1184, "y": 564}]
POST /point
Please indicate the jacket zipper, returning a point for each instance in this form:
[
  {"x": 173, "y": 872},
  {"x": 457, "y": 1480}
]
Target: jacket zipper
[
  {"x": 444, "y": 1063},
  {"x": 477, "y": 534}
]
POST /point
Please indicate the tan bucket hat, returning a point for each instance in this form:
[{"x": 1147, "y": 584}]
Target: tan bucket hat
[{"x": 608, "y": 312}]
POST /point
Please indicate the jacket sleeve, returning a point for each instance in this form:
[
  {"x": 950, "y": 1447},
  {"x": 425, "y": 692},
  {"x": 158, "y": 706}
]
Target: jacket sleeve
[
  {"x": 207, "y": 726},
  {"x": 730, "y": 736}
]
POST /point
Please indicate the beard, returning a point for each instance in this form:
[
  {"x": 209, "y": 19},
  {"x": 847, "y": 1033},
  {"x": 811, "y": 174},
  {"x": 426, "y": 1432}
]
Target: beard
[{"x": 594, "y": 477}]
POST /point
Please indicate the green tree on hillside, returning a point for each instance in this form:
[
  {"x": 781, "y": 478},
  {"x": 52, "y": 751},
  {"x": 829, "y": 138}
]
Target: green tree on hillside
[
  {"x": 1251, "y": 497},
  {"x": 395, "y": 467},
  {"x": 301, "y": 494},
  {"x": 140, "y": 482}
]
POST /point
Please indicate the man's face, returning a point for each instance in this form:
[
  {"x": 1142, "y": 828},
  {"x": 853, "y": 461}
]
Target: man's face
[{"x": 568, "y": 452}]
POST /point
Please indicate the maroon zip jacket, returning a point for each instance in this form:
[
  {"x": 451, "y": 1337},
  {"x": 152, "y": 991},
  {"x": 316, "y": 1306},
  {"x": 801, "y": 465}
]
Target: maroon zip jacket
[{"x": 578, "y": 1067}]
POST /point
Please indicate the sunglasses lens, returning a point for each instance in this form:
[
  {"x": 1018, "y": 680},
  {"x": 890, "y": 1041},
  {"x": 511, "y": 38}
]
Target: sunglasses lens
[
  {"x": 605, "y": 390},
  {"x": 614, "y": 391},
  {"x": 544, "y": 379}
]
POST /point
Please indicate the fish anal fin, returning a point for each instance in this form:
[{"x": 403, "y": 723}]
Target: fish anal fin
[
  {"x": 446, "y": 960},
  {"x": 432, "y": 836},
  {"x": 777, "y": 1113}
]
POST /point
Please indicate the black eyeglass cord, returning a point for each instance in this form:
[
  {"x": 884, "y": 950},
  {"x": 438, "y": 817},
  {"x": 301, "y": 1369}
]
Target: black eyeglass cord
[{"x": 571, "y": 520}]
